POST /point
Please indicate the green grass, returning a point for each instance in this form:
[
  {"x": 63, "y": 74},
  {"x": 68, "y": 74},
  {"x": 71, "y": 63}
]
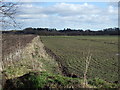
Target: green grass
[
  {"x": 47, "y": 80},
  {"x": 42, "y": 80},
  {"x": 73, "y": 50},
  {"x": 99, "y": 83}
]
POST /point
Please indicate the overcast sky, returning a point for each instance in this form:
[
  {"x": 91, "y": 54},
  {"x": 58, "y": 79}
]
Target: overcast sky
[{"x": 75, "y": 15}]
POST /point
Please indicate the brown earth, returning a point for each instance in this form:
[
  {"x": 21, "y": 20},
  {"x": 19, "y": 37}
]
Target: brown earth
[{"x": 11, "y": 43}]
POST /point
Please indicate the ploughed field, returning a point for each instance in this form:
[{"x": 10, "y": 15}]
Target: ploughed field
[
  {"x": 73, "y": 51},
  {"x": 12, "y": 42}
]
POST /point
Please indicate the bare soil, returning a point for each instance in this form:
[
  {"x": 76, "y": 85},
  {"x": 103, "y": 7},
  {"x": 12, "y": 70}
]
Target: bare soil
[{"x": 11, "y": 43}]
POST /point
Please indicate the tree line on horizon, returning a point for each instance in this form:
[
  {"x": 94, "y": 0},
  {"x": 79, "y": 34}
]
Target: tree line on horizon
[{"x": 67, "y": 31}]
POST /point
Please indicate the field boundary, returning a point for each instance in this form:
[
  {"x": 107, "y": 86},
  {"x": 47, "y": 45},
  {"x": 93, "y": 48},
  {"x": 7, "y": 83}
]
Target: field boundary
[{"x": 62, "y": 68}]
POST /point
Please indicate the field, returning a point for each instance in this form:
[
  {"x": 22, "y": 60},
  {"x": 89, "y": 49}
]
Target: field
[
  {"x": 73, "y": 51},
  {"x": 12, "y": 42},
  {"x": 24, "y": 53}
]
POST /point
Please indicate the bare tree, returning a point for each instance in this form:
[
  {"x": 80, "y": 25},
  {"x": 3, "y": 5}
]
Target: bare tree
[
  {"x": 8, "y": 11},
  {"x": 87, "y": 63}
]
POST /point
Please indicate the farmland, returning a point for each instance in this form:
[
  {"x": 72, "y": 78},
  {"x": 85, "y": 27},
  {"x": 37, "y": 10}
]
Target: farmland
[
  {"x": 24, "y": 53},
  {"x": 59, "y": 61},
  {"x": 72, "y": 52},
  {"x": 12, "y": 42}
]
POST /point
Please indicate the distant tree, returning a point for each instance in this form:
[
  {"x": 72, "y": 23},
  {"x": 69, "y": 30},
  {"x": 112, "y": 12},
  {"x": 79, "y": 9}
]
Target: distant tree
[{"x": 68, "y": 29}]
